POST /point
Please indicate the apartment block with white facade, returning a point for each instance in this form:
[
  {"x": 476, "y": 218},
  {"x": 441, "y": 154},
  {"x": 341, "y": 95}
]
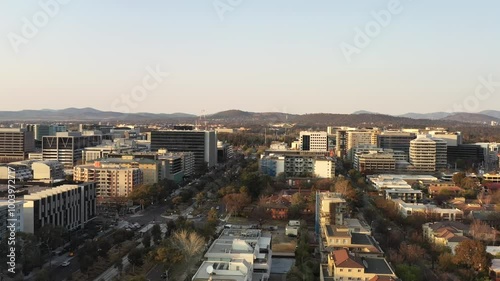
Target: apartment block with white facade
[
  {"x": 249, "y": 245},
  {"x": 428, "y": 154},
  {"x": 70, "y": 206}
]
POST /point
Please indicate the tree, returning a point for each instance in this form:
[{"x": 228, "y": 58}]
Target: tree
[
  {"x": 188, "y": 243},
  {"x": 458, "y": 178},
  {"x": 103, "y": 247},
  {"x": 118, "y": 264},
  {"x": 156, "y": 233},
  {"x": 212, "y": 216},
  {"x": 409, "y": 273},
  {"x": 51, "y": 236},
  {"x": 236, "y": 202},
  {"x": 85, "y": 263},
  {"x": 297, "y": 200},
  {"x": 411, "y": 252},
  {"x": 200, "y": 198},
  {"x": 482, "y": 231},
  {"x": 136, "y": 258},
  {"x": 472, "y": 254},
  {"x": 446, "y": 262},
  {"x": 42, "y": 275},
  {"x": 146, "y": 240}
]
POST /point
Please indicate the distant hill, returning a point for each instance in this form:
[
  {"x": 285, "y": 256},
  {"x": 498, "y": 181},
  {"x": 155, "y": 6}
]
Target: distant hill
[
  {"x": 471, "y": 118},
  {"x": 363, "y": 112},
  {"x": 492, "y": 113},
  {"x": 432, "y": 116},
  {"x": 82, "y": 114}
]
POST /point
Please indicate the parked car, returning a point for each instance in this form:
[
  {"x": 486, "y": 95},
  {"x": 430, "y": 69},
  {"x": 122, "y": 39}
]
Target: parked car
[{"x": 66, "y": 263}]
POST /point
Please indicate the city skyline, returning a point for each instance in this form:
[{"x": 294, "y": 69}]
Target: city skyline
[{"x": 287, "y": 57}]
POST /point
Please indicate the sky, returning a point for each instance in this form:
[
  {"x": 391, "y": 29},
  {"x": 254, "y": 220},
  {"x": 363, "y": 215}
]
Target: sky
[{"x": 291, "y": 56}]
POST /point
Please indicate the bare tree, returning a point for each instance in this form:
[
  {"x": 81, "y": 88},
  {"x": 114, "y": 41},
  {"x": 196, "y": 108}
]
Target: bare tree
[{"x": 188, "y": 243}]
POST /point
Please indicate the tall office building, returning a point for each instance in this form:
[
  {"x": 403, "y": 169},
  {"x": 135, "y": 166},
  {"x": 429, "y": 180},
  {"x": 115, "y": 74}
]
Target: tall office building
[
  {"x": 202, "y": 143},
  {"x": 428, "y": 154},
  {"x": 42, "y": 130},
  {"x": 359, "y": 137},
  {"x": 15, "y": 144},
  {"x": 67, "y": 147},
  {"x": 395, "y": 140},
  {"x": 313, "y": 141}
]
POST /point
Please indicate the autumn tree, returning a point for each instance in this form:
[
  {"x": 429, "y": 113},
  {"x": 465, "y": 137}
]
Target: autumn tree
[
  {"x": 236, "y": 202},
  {"x": 472, "y": 254}
]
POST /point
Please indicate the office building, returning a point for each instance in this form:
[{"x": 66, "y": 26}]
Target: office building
[
  {"x": 111, "y": 179},
  {"x": 15, "y": 172},
  {"x": 90, "y": 154},
  {"x": 15, "y": 144},
  {"x": 67, "y": 147},
  {"x": 451, "y": 138},
  {"x": 43, "y": 130},
  {"x": 428, "y": 154},
  {"x": 465, "y": 156},
  {"x": 172, "y": 167},
  {"x": 374, "y": 161},
  {"x": 313, "y": 141},
  {"x": 202, "y": 143},
  {"x": 70, "y": 206},
  {"x": 395, "y": 140},
  {"x": 492, "y": 177},
  {"x": 407, "y": 195},
  {"x": 47, "y": 170},
  {"x": 224, "y": 151}
]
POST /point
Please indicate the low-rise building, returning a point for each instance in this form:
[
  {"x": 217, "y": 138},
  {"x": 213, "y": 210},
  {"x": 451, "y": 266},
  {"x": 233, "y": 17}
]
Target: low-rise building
[
  {"x": 341, "y": 237},
  {"x": 432, "y": 211},
  {"x": 342, "y": 265},
  {"x": 243, "y": 244},
  {"x": 15, "y": 172},
  {"x": 48, "y": 170},
  {"x": 233, "y": 270},
  {"x": 448, "y": 234},
  {"x": 491, "y": 177},
  {"x": 332, "y": 208},
  {"x": 407, "y": 195}
]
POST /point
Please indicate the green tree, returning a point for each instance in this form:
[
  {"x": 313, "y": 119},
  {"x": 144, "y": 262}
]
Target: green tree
[
  {"x": 156, "y": 233},
  {"x": 409, "y": 273},
  {"x": 104, "y": 245},
  {"x": 146, "y": 240},
  {"x": 136, "y": 258}
]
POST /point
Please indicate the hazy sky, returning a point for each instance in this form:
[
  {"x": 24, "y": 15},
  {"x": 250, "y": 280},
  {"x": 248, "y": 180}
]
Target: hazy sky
[{"x": 258, "y": 55}]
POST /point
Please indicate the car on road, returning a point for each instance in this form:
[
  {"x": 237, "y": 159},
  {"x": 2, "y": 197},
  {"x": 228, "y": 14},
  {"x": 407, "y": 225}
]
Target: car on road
[{"x": 66, "y": 263}]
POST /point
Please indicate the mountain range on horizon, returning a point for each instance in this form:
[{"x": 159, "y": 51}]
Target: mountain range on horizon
[{"x": 87, "y": 113}]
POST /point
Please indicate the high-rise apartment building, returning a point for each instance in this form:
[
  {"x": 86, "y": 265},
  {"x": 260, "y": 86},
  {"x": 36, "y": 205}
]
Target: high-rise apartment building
[
  {"x": 15, "y": 144},
  {"x": 202, "y": 143},
  {"x": 428, "y": 154},
  {"x": 111, "y": 179}
]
